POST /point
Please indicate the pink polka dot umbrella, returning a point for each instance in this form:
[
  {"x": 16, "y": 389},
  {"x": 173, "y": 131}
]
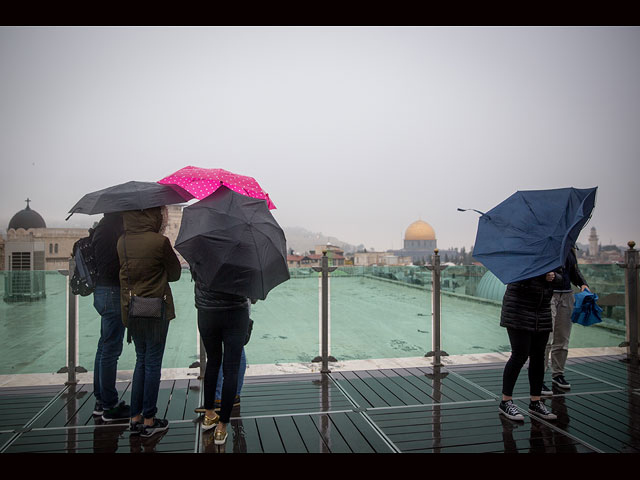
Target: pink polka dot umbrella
[{"x": 202, "y": 182}]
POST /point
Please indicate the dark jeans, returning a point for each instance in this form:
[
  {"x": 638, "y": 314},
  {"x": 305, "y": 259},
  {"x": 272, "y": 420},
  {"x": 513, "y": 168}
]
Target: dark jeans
[
  {"x": 525, "y": 345},
  {"x": 106, "y": 301},
  {"x": 146, "y": 375},
  {"x": 228, "y": 327}
]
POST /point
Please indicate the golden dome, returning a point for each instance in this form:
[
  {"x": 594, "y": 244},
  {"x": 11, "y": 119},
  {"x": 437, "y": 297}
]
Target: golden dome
[{"x": 420, "y": 231}]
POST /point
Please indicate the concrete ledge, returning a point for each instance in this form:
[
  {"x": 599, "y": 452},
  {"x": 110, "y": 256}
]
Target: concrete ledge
[{"x": 32, "y": 379}]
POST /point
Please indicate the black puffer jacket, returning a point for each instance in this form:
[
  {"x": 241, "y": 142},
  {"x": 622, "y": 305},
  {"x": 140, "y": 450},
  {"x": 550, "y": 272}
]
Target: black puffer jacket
[{"x": 526, "y": 305}]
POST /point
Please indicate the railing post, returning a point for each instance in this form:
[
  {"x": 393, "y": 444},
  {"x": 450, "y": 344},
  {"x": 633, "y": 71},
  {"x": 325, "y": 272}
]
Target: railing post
[
  {"x": 201, "y": 355},
  {"x": 631, "y": 302},
  {"x": 324, "y": 309},
  {"x": 436, "y": 269},
  {"x": 203, "y": 358},
  {"x": 72, "y": 329}
]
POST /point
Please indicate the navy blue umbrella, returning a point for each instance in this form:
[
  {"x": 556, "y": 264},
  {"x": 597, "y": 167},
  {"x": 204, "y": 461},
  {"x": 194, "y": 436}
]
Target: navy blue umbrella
[{"x": 532, "y": 231}]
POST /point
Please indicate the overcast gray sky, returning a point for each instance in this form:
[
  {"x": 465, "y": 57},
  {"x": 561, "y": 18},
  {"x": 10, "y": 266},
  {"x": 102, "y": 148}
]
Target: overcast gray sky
[{"x": 354, "y": 132}]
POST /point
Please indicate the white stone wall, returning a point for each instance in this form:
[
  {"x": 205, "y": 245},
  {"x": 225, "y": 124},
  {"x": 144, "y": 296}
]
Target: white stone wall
[
  {"x": 64, "y": 238},
  {"x": 173, "y": 227}
]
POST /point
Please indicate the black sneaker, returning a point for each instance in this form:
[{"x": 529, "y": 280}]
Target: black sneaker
[
  {"x": 540, "y": 409},
  {"x": 120, "y": 412},
  {"x": 561, "y": 382},
  {"x": 159, "y": 425},
  {"x": 546, "y": 390},
  {"x": 135, "y": 428},
  {"x": 98, "y": 410},
  {"x": 509, "y": 410}
]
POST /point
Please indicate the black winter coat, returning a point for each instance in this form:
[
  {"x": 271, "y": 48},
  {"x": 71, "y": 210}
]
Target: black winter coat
[
  {"x": 210, "y": 300},
  {"x": 570, "y": 274},
  {"x": 526, "y": 305},
  {"x": 104, "y": 241}
]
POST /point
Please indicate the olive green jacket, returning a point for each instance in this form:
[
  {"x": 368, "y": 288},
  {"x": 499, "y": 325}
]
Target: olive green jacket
[{"x": 150, "y": 262}]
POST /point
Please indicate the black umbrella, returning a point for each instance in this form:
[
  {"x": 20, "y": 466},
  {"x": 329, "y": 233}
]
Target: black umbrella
[
  {"x": 233, "y": 244},
  {"x": 130, "y": 196}
]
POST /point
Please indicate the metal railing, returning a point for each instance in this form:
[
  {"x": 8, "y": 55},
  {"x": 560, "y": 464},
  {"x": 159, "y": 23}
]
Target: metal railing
[
  {"x": 631, "y": 302},
  {"x": 632, "y": 319}
]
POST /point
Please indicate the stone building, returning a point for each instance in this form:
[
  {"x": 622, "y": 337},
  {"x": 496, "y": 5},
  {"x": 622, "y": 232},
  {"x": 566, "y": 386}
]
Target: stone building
[
  {"x": 419, "y": 243},
  {"x": 173, "y": 227},
  {"x": 1, "y": 252},
  {"x": 30, "y": 249},
  {"x": 28, "y": 232},
  {"x": 594, "y": 247}
]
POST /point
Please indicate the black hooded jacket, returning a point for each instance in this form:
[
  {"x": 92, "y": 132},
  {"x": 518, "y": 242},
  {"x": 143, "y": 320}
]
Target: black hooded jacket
[{"x": 104, "y": 241}]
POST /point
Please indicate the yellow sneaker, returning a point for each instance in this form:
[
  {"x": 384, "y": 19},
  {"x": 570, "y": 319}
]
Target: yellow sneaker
[
  {"x": 220, "y": 437},
  {"x": 208, "y": 423}
]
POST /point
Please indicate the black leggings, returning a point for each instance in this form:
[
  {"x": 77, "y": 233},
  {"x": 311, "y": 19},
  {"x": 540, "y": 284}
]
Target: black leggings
[
  {"x": 228, "y": 327},
  {"x": 525, "y": 345}
]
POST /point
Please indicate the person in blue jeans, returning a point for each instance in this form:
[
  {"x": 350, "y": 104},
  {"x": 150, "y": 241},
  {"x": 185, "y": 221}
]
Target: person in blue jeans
[
  {"x": 145, "y": 383},
  {"x": 147, "y": 264},
  {"x": 106, "y": 301}
]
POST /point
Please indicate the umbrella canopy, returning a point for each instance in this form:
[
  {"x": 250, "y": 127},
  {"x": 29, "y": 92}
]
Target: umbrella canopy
[
  {"x": 532, "y": 231},
  {"x": 130, "y": 196},
  {"x": 202, "y": 182},
  {"x": 233, "y": 244}
]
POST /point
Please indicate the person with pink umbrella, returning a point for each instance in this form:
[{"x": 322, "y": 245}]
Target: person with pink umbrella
[{"x": 227, "y": 283}]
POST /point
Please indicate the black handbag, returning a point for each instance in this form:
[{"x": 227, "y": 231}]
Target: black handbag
[
  {"x": 142, "y": 307},
  {"x": 145, "y": 307}
]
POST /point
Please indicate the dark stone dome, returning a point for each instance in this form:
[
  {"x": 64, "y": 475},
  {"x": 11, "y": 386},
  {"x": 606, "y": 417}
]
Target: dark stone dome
[{"x": 26, "y": 219}]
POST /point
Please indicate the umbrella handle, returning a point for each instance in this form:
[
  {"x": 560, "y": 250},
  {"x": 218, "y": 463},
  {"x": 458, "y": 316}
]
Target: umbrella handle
[{"x": 465, "y": 209}]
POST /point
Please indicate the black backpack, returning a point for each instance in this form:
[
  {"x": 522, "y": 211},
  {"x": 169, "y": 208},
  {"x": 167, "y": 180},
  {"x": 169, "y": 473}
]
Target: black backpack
[{"x": 83, "y": 280}]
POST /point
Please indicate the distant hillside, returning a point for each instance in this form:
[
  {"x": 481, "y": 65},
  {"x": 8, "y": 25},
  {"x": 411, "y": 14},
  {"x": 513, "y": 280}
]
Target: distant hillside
[{"x": 302, "y": 240}]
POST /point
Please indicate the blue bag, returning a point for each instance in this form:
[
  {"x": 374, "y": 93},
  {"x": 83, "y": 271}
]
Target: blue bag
[{"x": 585, "y": 309}]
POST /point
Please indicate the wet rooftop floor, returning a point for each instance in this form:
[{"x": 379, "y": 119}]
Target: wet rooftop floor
[{"x": 452, "y": 409}]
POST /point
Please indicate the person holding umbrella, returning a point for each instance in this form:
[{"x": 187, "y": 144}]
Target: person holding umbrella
[
  {"x": 147, "y": 265},
  {"x": 561, "y": 308},
  {"x": 237, "y": 254},
  {"x": 129, "y": 196},
  {"x": 523, "y": 241},
  {"x": 106, "y": 301},
  {"x": 223, "y": 322},
  {"x": 526, "y": 314}
]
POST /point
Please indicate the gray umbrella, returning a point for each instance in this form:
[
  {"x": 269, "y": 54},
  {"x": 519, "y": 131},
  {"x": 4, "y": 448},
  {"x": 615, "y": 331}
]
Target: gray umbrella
[
  {"x": 233, "y": 244},
  {"x": 130, "y": 196}
]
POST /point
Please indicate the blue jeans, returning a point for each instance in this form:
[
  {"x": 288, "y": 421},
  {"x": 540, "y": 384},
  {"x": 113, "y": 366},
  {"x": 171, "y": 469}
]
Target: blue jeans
[
  {"x": 148, "y": 370},
  {"x": 106, "y": 301},
  {"x": 241, "y": 372}
]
